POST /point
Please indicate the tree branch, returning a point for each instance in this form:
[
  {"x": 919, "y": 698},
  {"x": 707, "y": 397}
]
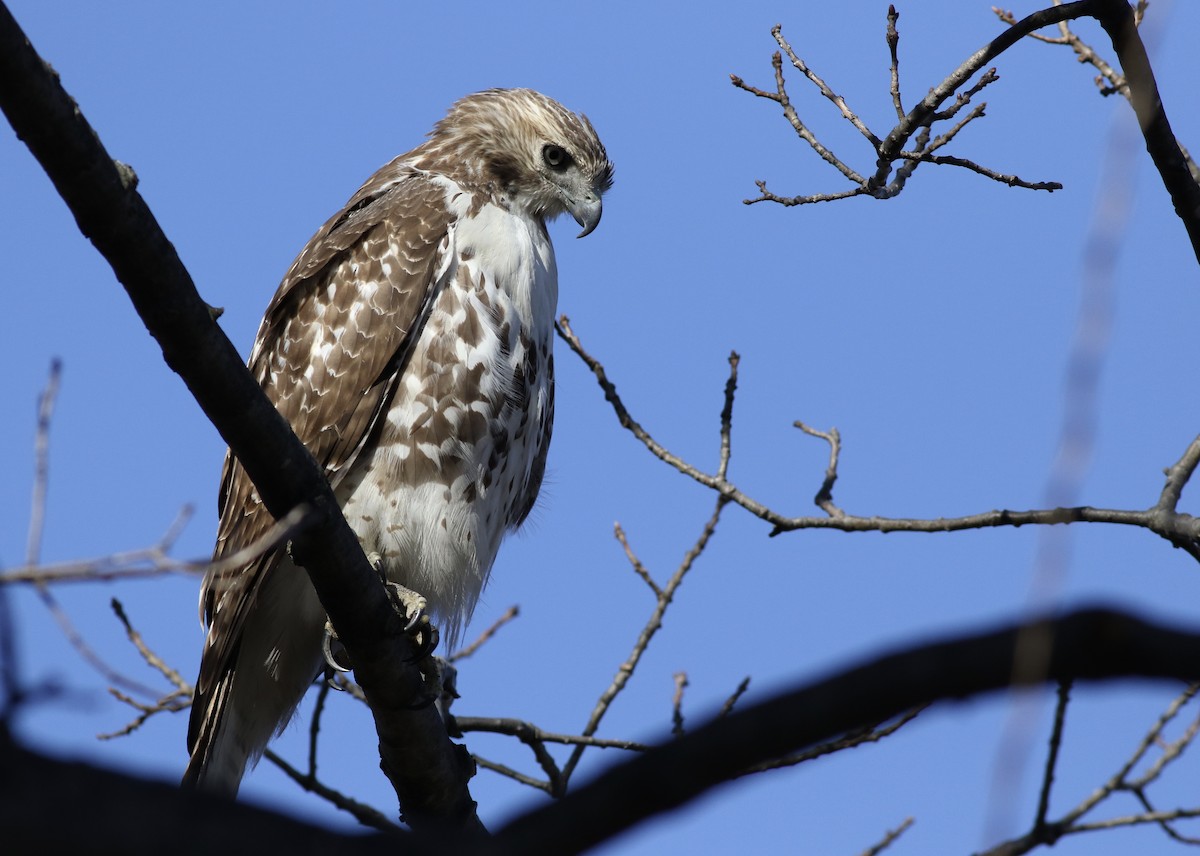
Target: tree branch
[
  {"x": 1094, "y": 644},
  {"x": 1181, "y": 530}
]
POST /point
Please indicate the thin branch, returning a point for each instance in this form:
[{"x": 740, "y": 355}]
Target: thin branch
[
  {"x": 1010, "y": 180},
  {"x": 1056, "y": 735},
  {"x": 681, "y": 682},
  {"x": 152, "y": 659},
  {"x": 893, "y": 41},
  {"x": 155, "y": 560},
  {"x": 41, "y": 467},
  {"x": 780, "y": 96},
  {"x": 517, "y": 776},
  {"x": 727, "y": 707},
  {"x": 853, "y": 740},
  {"x": 361, "y": 812},
  {"x": 1045, "y": 832},
  {"x": 522, "y": 729},
  {"x": 653, "y": 625},
  {"x": 1181, "y": 530},
  {"x": 171, "y": 703},
  {"x": 838, "y": 101},
  {"x": 463, "y": 653},
  {"x": 824, "y": 496},
  {"x": 727, "y": 416},
  {"x": 889, "y": 839},
  {"x": 314, "y": 726},
  {"x": 1178, "y": 475},
  {"x": 634, "y": 561},
  {"x": 789, "y": 201},
  {"x": 962, "y": 99}
]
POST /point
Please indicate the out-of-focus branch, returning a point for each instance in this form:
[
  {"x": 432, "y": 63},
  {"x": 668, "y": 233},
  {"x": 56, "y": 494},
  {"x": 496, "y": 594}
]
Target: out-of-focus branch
[
  {"x": 1084, "y": 646},
  {"x": 1089, "y": 645},
  {"x": 155, "y": 560},
  {"x": 429, "y": 773}
]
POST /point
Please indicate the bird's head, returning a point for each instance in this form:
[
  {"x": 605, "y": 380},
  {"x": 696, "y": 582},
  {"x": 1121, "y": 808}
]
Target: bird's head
[{"x": 540, "y": 155}]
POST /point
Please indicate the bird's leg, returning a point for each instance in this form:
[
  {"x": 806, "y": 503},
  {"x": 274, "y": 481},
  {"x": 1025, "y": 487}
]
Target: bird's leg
[{"x": 408, "y": 604}]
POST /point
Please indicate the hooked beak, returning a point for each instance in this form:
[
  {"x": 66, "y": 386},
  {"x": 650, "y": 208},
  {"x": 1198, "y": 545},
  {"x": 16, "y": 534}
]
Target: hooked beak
[{"x": 586, "y": 212}]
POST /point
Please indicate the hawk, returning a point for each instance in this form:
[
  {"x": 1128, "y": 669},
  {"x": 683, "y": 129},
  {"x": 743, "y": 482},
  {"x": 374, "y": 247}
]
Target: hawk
[{"x": 410, "y": 347}]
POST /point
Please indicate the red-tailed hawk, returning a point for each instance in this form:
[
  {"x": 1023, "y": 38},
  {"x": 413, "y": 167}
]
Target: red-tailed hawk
[{"x": 410, "y": 347}]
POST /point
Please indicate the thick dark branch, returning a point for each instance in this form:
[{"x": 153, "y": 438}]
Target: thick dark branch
[
  {"x": 429, "y": 772},
  {"x": 112, "y": 813},
  {"x": 1116, "y": 17},
  {"x": 1088, "y": 645}
]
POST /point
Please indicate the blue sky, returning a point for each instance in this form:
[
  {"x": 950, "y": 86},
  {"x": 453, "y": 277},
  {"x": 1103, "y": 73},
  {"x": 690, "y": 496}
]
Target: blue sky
[{"x": 932, "y": 330}]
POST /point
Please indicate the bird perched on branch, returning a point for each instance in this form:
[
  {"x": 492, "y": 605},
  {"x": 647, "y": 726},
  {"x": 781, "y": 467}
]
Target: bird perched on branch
[{"x": 410, "y": 347}]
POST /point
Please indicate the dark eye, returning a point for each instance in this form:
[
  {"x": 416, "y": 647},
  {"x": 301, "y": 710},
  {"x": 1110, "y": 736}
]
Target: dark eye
[{"x": 556, "y": 157}]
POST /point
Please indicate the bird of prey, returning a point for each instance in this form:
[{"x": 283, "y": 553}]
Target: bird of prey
[{"x": 410, "y": 347}]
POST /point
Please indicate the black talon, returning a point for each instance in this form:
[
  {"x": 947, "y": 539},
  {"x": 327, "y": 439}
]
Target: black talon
[
  {"x": 331, "y": 661},
  {"x": 427, "y": 640}
]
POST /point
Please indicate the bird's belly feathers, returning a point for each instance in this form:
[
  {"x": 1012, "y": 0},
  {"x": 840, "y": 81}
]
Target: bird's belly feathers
[{"x": 461, "y": 453}]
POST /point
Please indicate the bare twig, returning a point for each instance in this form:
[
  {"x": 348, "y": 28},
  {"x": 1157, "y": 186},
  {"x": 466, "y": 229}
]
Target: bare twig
[
  {"x": 652, "y": 626},
  {"x": 1178, "y": 475},
  {"x": 727, "y": 707},
  {"x": 780, "y": 96},
  {"x": 838, "y": 101},
  {"x": 824, "y": 497},
  {"x": 1181, "y": 530},
  {"x": 178, "y": 699},
  {"x": 1010, "y": 180},
  {"x": 727, "y": 416},
  {"x": 918, "y": 122},
  {"x": 517, "y": 776},
  {"x": 462, "y": 653},
  {"x": 1046, "y": 832},
  {"x": 152, "y": 659},
  {"x": 155, "y": 560},
  {"x": 1179, "y": 173},
  {"x": 893, "y": 41},
  {"x": 361, "y": 812},
  {"x": 41, "y": 466},
  {"x": 526, "y": 730},
  {"x": 1056, "y": 735},
  {"x": 173, "y": 702},
  {"x": 853, "y": 740},
  {"x": 889, "y": 839},
  {"x": 681, "y": 682},
  {"x": 634, "y": 561}
]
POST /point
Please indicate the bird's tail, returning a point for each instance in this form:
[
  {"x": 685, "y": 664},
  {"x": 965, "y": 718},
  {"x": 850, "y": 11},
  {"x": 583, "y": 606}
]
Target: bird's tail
[{"x": 218, "y": 762}]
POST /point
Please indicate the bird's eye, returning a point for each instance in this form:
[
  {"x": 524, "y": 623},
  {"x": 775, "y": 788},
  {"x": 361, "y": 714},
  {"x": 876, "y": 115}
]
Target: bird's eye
[{"x": 556, "y": 157}]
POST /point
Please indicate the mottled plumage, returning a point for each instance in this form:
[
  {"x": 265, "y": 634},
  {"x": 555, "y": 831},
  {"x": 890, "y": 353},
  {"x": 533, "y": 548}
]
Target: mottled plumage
[{"x": 410, "y": 348}]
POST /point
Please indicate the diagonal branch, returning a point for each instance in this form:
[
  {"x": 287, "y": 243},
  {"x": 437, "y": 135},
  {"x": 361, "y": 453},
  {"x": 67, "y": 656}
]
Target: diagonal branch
[{"x": 428, "y": 772}]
